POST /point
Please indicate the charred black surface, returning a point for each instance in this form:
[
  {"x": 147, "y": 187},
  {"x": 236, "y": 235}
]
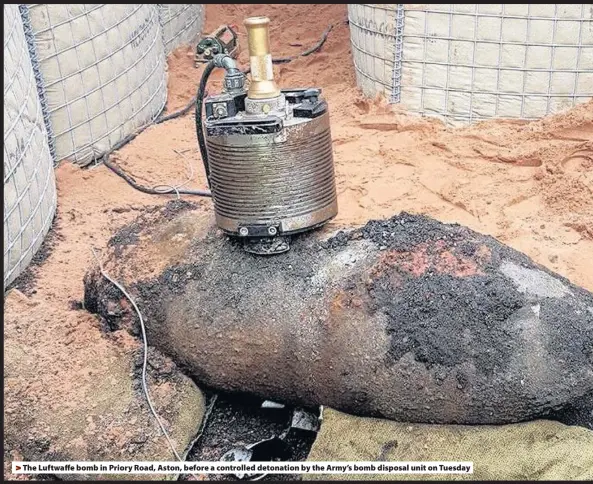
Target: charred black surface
[
  {"x": 237, "y": 421},
  {"x": 430, "y": 315},
  {"x": 405, "y": 318},
  {"x": 435, "y": 299},
  {"x": 578, "y": 412}
]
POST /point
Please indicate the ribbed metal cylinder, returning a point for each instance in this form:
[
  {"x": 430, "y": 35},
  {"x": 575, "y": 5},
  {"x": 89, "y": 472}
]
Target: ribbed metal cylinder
[{"x": 285, "y": 178}]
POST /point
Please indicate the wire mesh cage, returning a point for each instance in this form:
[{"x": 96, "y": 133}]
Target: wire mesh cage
[
  {"x": 29, "y": 182},
  {"x": 181, "y": 23},
  {"x": 102, "y": 68},
  {"x": 468, "y": 62}
]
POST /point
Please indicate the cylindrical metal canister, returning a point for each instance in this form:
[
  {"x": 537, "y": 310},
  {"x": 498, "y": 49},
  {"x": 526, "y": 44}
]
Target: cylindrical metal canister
[{"x": 284, "y": 178}]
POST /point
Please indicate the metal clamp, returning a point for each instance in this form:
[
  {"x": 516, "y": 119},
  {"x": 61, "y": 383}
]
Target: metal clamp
[
  {"x": 259, "y": 230},
  {"x": 223, "y": 40}
]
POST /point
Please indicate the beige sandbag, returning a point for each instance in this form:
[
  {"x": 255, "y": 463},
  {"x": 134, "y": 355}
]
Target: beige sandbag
[
  {"x": 540, "y": 449},
  {"x": 104, "y": 72}
]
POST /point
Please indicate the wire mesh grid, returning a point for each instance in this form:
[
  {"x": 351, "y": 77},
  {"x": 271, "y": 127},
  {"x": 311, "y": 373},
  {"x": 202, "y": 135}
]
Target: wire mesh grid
[
  {"x": 29, "y": 183},
  {"x": 30, "y": 38},
  {"x": 103, "y": 69},
  {"x": 468, "y": 62},
  {"x": 398, "y": 54},
  {"x": 181, "y": 23},
  {"x": 373, "y": 39},
  {"x": 473, "y": 62}
]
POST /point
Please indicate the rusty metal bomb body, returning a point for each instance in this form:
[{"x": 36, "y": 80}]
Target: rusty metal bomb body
[{"x": 407, "y": 318}]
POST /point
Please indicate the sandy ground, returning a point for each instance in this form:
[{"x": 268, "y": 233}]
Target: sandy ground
[{"x": 528, "y": 184}]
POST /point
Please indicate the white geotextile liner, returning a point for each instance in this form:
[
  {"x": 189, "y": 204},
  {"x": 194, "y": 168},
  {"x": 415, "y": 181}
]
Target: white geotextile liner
[
  {"x": 182, "y": 23},
  {"x": 372, "y": 35},
  {"x": 470, "y": 62},
  {"x": 526, "y": 62},
  {"x": 29, "y": 183},
  {"x": 104, "y": 73}
]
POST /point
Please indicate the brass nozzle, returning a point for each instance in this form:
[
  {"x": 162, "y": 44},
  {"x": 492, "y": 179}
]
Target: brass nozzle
[{"x": 262, "y": 75}]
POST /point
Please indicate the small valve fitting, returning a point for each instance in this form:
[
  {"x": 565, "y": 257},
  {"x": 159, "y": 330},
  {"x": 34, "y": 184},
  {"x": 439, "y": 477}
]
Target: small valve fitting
[{"x": 234, "y": 79}]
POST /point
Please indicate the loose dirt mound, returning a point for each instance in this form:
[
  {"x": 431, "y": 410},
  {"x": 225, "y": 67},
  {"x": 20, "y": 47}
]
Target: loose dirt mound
[{"x": 75, "y": 394}]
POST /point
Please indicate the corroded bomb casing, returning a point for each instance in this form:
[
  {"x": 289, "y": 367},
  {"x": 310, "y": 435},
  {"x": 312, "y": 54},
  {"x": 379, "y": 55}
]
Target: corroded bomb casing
[
  {"x": 406, "y": 318},
  {"x": 274, "y": 170}
]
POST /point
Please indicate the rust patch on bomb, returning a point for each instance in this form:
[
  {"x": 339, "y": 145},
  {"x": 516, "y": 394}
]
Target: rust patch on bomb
[
  {"x": 448, "y": 263},
  {"x": 338, "y": 302},
  {"x": 415, "y": 263},
  {"x": 343, "y": 300},
  {"x": 437, "y": 258}
]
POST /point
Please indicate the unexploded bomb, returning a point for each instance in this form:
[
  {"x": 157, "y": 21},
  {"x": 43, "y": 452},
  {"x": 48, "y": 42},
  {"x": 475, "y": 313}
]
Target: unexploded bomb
[{"x": 442, "y": 325}]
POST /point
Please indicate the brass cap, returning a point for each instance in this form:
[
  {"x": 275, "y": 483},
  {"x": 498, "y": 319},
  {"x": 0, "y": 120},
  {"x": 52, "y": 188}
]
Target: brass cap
[
  {"x": 262, "y": 75},
  {"x": 256, "y": 21}
]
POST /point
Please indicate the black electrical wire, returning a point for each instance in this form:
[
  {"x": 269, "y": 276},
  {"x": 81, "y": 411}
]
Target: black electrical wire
[
  {"x": 159, "y": 120},
  {"x": 151, "y": 191},
  {"x": 176, "y": 114},
  {"x": 309, "y": 51},
  {"x": 198, "y": 115},
  {"x": 130, "y": 180},
  {"x": 198, "y": 102}
]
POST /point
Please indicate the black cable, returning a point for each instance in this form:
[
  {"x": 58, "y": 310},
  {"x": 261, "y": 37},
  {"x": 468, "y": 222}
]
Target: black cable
[
  {"x": 160, "y": 119},
  {"x": 198, "y": 115},
  {"x": 198, "y": 102},
  {"x": 176, "y": 114},
  {"x": 151, "y": 191},
  {"x": 309, "y": 51},
  {"x": 129, "y": 179}
]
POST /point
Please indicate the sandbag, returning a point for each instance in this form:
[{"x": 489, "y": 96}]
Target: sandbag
[
  {"x": 407, "y": 318},
  {"x": 542, "y": 449},
  {"x": 102, "y": 68}
]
